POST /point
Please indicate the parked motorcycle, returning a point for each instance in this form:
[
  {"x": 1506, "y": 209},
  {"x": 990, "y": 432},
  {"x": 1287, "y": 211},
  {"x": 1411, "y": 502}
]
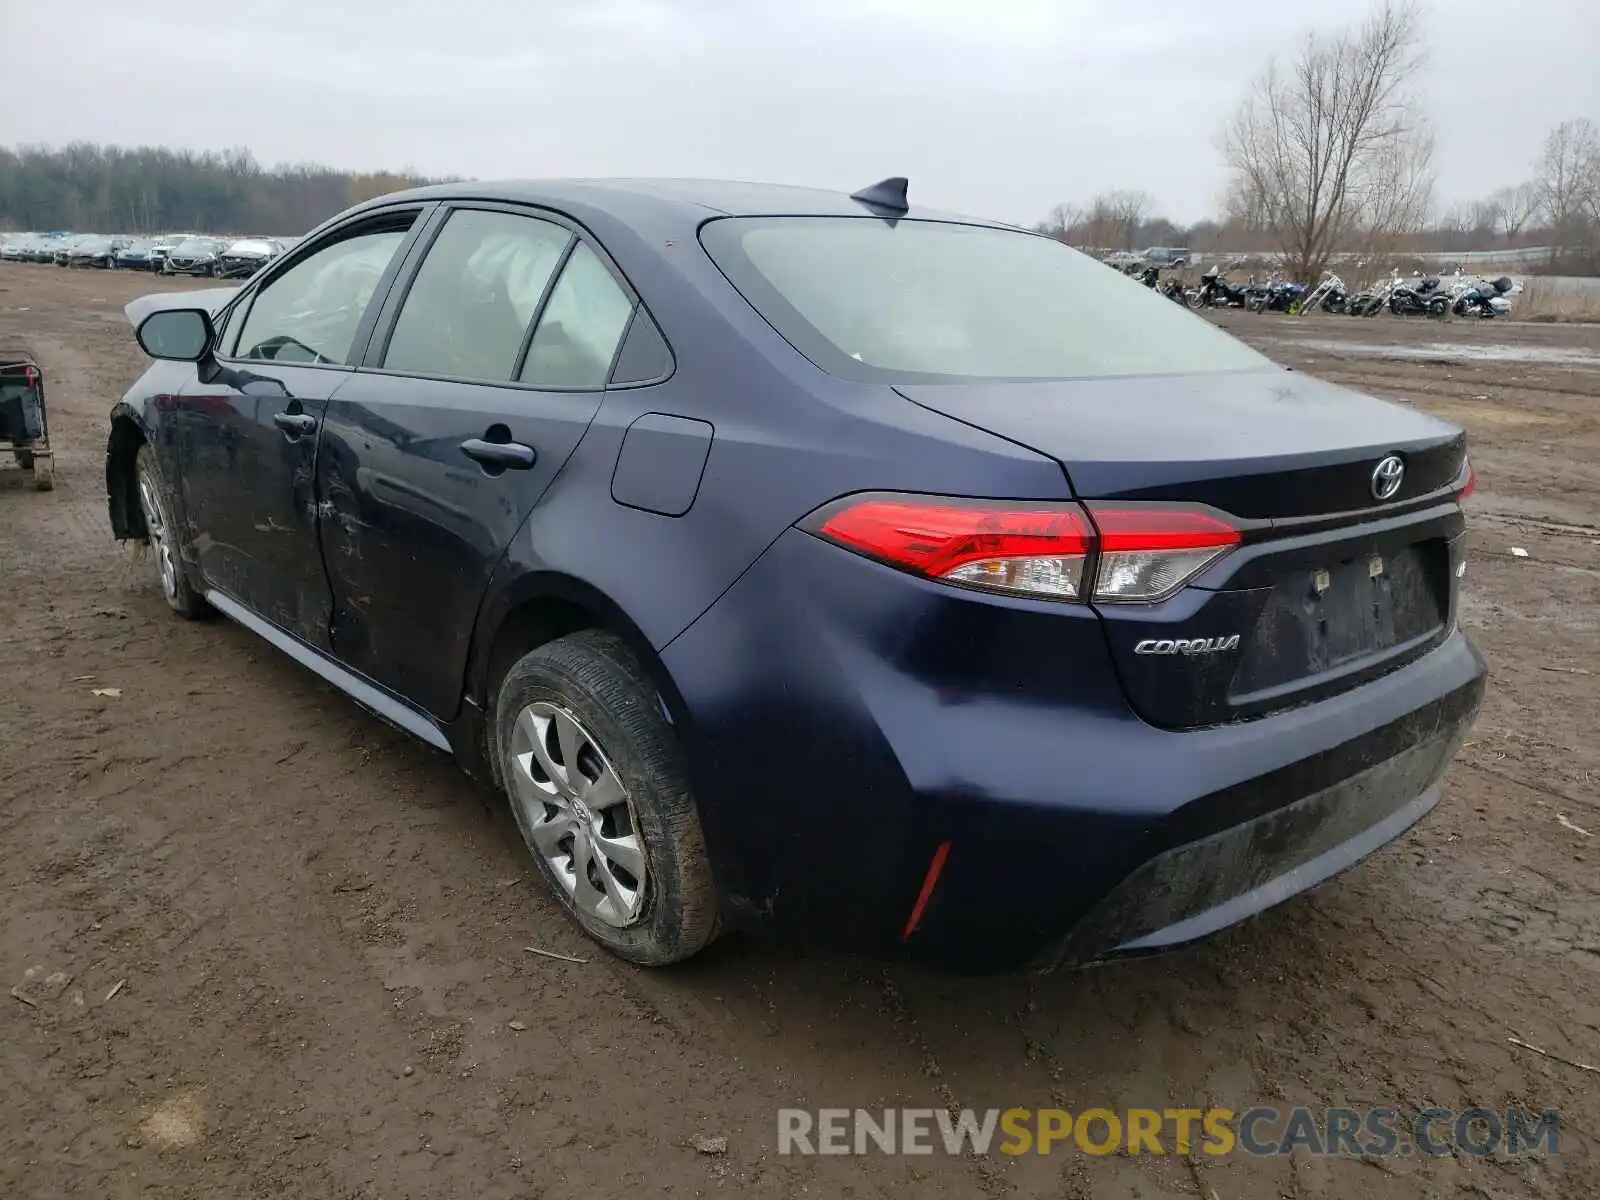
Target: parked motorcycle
[
  {"x": 1330, "y": 295},
  {"x": 1276, "y": 295},
  {"x": 1421, "y": 296},
  {"x": 1371, "y": 301},
  {"x": 1483, "y": 298},
  {"x": 1215, "y": 289}
]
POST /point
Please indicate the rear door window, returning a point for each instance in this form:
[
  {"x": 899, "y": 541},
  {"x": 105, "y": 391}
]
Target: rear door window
[
  {"x": 581, "y": 327},
  {"x": 473, "y": 300}
]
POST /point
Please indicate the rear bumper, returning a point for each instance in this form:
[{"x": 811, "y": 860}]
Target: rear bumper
[
  {"x": 846, "y": 720},
  {"x": 1195, "y": 889}
]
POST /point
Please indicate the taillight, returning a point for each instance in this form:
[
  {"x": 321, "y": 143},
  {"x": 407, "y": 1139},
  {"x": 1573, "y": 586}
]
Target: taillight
[
  {"x": 1111, "y": 552},
  {"x": 1030, "y": 549},
  {"x": 1471, "y": 484},
  {"x": 1149, "y": 551}
]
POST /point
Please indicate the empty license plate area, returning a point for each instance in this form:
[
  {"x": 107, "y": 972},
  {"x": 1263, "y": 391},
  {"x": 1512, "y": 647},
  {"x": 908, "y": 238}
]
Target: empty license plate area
[{"x": 1320, "y": 618}]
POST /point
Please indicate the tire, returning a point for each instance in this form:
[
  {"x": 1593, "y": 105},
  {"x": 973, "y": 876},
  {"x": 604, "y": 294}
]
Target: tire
[
  {"x": 586, "y": 691},
  {"x": 44, "y": 472},
  {"x": 24, "y": 459},
  {"x": 156, "y": 506},
  {"x": 1438, "y": 306}
]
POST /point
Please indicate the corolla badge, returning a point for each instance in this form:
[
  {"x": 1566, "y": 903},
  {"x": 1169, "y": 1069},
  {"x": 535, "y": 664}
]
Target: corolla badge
[
  {"x": 1211, "y": 645},
  {"x": 1387, "y": 477}
]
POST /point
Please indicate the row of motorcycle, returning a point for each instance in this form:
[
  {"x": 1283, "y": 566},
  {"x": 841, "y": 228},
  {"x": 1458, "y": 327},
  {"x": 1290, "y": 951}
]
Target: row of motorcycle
[{"x": 1419, "y": 295}]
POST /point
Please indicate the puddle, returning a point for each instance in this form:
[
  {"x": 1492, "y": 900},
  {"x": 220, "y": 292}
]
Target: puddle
[{"x": 1456, "y": 352}]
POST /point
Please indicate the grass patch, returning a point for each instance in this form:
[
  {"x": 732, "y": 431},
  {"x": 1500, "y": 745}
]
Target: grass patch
[{"x": 1550, "y": 303}]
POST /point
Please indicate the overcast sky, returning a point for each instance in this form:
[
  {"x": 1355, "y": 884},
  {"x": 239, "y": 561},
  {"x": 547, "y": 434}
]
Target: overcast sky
[{"x": 994, "y": 107}]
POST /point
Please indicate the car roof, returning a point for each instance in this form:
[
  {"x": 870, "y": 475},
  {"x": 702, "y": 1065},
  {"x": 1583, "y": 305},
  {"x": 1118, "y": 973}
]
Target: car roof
[{"x": 681, "y": 199}]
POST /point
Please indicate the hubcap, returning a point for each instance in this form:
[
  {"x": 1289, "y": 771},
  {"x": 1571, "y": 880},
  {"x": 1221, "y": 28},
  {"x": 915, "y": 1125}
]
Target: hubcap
[
  {"x": 156, "y": 527},
  {"x": 576, "y": 815}
]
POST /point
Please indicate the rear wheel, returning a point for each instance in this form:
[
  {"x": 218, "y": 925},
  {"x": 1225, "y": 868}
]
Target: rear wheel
[
  {"x": 44, "y": 472},
  {"x": 599, "y": 791},
  {"x": 162, "y": 535}
]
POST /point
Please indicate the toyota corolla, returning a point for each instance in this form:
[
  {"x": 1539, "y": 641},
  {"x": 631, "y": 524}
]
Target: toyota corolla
[{"x": 819, "y": 563}]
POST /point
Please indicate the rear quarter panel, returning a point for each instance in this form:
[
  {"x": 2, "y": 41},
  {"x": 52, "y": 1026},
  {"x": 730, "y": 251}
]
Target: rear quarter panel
[{"x": 786, "y": 439}]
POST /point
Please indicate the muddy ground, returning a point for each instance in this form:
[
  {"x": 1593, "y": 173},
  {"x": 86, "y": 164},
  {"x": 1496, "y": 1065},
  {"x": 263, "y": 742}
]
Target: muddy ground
[{"x": 295, "y": 939}]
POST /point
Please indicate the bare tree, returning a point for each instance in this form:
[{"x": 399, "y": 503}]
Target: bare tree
[
  {"x": 1518, "y": 205},
  {"x": 1483, "y": 218},
  {"x": 1065, "y": 223},
  {"x": 1128, "y": 210},
  {"x": 1569, "y": 181},
  {"x": 1330, "y": 147}
]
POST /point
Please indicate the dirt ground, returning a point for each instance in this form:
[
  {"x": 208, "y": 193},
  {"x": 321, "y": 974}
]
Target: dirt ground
[{"x": 294, "y": 939}]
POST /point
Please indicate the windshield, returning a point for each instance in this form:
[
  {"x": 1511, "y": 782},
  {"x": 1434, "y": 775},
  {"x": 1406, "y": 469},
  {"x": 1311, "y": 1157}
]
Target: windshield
[
  {"x": 195, "y": 246},
  {"x": 911, "y": 301}
]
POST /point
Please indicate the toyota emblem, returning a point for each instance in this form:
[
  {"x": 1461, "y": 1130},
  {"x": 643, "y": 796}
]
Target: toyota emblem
[{"x": 1387, "y": 477}]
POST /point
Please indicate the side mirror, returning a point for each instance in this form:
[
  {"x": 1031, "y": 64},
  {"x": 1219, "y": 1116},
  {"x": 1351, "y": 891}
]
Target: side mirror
[{"x": 177, "y": 334}]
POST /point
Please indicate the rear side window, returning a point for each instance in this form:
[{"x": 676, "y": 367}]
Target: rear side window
[
  {"x": 924, "y": 301},
  {"x": 311, "y": 312},
  {"x": 581, "y": 327},
  {"x": 468, "y": 310}
]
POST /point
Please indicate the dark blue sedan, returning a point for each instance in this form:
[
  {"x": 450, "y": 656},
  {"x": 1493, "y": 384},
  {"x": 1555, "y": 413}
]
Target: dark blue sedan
[{"x": 820, "y": 564}]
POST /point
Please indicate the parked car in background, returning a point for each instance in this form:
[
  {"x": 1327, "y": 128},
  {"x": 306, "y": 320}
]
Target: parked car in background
[
  {"x": 94, "y": 250},
  {"x": 162, "y": 246},
  {"x": 244, "y": 258},
  {"x": 1167, "y": 256},
  {"x": 15, "y": 247},
  {"x": 62, "y": 249},
  {"x": 135, "y": 254},
  {"x": 810, "y": 561},
  {"x": 194, "y": 256}
]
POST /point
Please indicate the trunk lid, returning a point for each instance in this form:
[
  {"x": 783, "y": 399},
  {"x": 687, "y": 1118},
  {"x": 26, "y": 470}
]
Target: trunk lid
[
  {"x": 1263, "y": 445},
  {"x": 1331, "y": 586}
]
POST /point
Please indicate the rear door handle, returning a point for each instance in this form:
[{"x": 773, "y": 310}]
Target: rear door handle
[
  {"x": 500, "y": 455},
  {"x": 294, "y": 423}
]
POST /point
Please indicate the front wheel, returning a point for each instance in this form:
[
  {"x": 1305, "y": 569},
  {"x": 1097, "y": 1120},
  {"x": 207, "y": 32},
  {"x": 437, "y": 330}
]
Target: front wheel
[
  {"x": 600, "y": 793},
  {"x": 161, "y": 537}
]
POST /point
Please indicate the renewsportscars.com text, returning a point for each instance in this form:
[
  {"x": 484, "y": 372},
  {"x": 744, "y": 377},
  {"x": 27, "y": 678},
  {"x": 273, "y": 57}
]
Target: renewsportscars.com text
[{"x": 1260, "y": 1131}]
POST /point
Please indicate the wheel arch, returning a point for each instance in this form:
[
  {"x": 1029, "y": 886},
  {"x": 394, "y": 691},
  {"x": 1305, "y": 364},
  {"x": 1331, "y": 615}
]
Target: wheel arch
[
  {"x": 122, "y": 449},
  {"x": 541, "y": 606}
]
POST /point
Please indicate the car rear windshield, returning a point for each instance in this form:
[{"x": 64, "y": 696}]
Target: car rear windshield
[{"x": 923, "y": 301}]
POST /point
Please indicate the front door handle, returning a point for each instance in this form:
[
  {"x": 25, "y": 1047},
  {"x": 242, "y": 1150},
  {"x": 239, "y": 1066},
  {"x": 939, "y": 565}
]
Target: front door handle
[
  {"x": 499, "y": 456},
  {"x": 295, "y": 424}
]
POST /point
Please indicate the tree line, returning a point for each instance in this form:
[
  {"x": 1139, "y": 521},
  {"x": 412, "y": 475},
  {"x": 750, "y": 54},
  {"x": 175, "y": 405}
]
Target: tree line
[
  {"x": 152, "y": 189},
  {"x": 1330, "y": 153}
]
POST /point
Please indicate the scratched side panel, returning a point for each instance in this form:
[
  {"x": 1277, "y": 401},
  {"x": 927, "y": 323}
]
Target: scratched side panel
[{"x": 411, "y": 527}]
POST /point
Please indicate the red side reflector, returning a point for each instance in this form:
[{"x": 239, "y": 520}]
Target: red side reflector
[{"x": 929, "y": 882}]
